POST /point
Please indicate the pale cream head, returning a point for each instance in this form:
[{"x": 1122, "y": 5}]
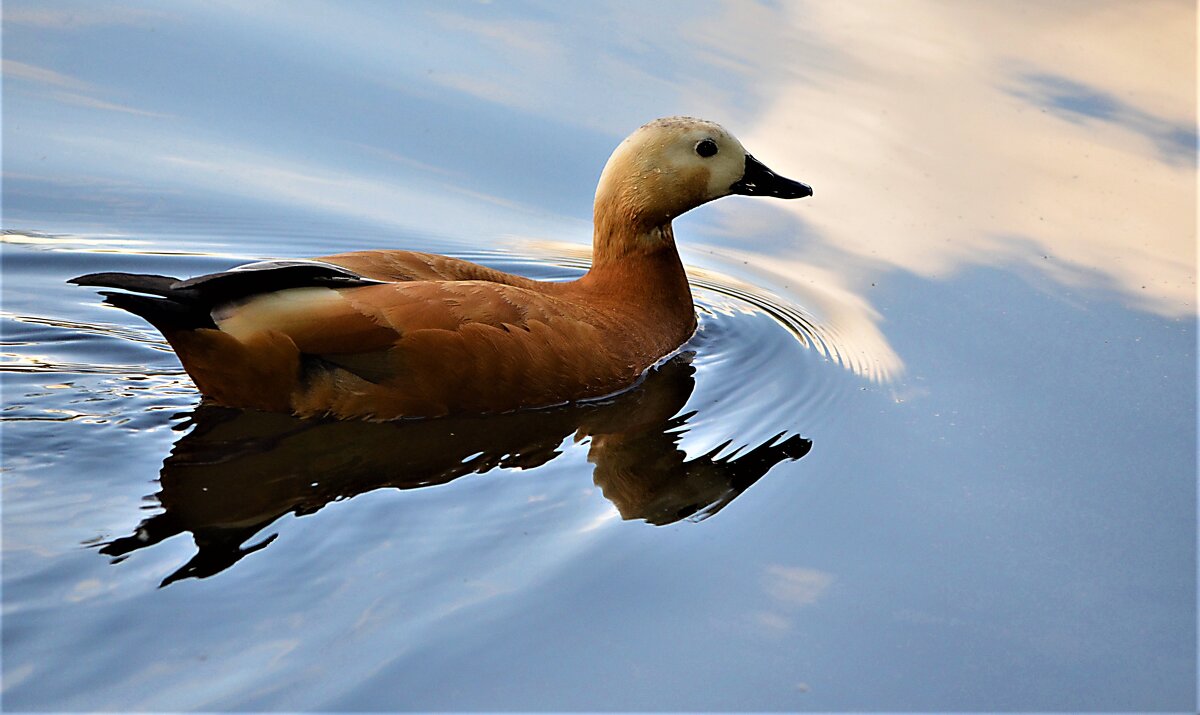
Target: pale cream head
[
  {"x": 675, "y": 164},
  {"x": 672, "y": 165}
]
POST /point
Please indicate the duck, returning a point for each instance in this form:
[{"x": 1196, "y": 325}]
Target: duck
[{"x": 388, "y": 334}]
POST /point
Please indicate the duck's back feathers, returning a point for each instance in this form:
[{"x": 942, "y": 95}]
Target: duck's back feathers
[{"x": 403, "y": 266}]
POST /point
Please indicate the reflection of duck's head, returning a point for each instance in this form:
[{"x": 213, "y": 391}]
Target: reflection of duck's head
[
  {"x": 647, "y": 476},
  {"x": 675, "y": 164}
]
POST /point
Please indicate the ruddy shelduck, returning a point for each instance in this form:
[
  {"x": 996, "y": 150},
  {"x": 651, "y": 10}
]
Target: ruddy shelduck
[{"x": 388, "y": 334}]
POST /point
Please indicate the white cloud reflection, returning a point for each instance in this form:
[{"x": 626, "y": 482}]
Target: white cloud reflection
[
  {"x": 39, "y": 75},
  {"x": 794, "y": 585},
  {"x": 789, "y": 589},
  {"x": 929, "y": 150},
  {"x": 83, "y": 100}
]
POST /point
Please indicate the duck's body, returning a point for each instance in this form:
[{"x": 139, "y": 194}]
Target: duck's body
[
  {"x": 386, "y": 334},
  {"x": 437, "y": 336}
]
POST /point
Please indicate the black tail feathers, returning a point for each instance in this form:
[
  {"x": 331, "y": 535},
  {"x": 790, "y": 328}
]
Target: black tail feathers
[
  {"x": 188, "y": 304},
  {"x": 175, "y": 309},
  {"x": 163, "y": 313}
]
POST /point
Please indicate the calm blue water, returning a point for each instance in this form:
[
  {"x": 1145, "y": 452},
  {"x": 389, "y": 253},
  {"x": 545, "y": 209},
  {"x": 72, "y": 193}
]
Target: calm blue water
[{"x": 933, "y": 447}]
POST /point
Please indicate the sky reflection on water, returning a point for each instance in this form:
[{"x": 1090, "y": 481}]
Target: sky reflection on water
[
  {"x": 999, "y": 508},
  {"x": 1059, "y": 137}
]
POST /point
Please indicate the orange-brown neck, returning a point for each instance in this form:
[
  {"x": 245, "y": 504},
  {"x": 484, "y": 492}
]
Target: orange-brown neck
[
  {"x": 636, "y": 269},
  {"x": 620, "y": 228},
  {"x": 633, "y": 211}
]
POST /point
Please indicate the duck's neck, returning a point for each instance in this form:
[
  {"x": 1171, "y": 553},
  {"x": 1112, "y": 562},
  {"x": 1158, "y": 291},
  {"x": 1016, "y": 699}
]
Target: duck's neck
[
  {"x": 635, "y": 261},
  {"x": 627, "y": 225}
]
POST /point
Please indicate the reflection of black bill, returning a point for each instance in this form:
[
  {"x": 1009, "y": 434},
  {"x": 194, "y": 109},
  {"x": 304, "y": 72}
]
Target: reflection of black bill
[{"x": 758, "y": 180}]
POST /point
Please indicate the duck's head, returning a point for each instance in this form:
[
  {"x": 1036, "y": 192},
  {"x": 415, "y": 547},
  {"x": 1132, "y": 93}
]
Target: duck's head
[{"x": 675, "y": 164}]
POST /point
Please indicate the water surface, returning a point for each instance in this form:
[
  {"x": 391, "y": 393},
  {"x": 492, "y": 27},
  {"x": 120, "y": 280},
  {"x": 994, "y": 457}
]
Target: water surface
[{"x": 933, "y": 446}]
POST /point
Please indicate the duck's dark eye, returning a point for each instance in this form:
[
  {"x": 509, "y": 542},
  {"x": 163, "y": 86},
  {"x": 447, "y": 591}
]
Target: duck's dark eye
[{"x": 706, "y": 148}]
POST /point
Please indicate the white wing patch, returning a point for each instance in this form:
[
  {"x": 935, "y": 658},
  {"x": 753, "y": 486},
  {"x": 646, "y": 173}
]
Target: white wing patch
[{"x": 287, "y": 311}]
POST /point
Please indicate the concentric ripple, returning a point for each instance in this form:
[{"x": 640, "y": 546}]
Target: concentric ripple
[{"x": 766, "y": 364}]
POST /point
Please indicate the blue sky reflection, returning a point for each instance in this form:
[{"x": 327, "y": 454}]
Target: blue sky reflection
[{"x": 1176, "y": 141}]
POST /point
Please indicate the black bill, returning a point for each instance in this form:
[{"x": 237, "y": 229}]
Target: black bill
[{"x": 761, "y": 181}]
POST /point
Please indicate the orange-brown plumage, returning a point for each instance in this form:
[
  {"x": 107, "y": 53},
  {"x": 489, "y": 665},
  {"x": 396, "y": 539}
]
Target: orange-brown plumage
[{"x": 386, "y": 334}]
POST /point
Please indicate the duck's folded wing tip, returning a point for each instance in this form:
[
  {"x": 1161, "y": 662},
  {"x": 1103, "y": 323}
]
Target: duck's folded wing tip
[
  {"x": 134, "y": 282},
  {"x": 271, "y": 276}
]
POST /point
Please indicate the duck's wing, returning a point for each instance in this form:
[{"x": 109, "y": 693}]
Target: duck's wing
[
  {"x": 414, "y": 348},
  {"x": 325, "y": 320}
]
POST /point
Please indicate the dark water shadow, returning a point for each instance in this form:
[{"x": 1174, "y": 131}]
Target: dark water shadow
[{"x": 237, "y": 471}]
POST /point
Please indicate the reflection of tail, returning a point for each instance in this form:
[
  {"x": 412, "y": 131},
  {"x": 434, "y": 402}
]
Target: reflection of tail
[
  {"x": 214, "y": 558},
  {"x": 218, "y": 549},
  {"x": 159, "y": 527}
]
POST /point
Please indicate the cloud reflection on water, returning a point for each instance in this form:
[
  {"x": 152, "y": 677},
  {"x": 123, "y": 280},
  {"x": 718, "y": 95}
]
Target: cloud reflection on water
[
  {"x": 62, "y": 88},
  {"x": 922, "y": 166}
]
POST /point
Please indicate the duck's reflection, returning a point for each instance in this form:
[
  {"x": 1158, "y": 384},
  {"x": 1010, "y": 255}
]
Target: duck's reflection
[{"x": 237, "y": 471}]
